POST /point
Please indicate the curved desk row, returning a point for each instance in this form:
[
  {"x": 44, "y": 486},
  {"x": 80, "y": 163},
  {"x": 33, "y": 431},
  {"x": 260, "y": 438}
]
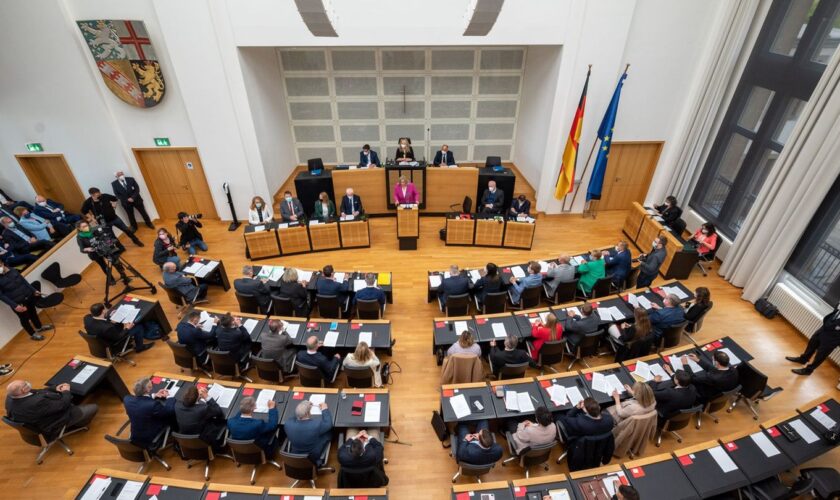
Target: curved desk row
[{"x": 275, "y": 239}]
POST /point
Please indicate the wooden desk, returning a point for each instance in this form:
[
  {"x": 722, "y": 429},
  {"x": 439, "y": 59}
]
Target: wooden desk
[
  {"x": 293, "y": 239},
  {"x": 647, "y": 233},
  {"x": 519, "y": 234},
  {"x": 460, "y": 231},
  {"x": 408, "y": 222},
  {"x": 324, "y": 236},
  {"x": 355, "y": 234},
  {"x": 673, "y": 247},
  {"x": 449, "y": 186},
  {"x": 488, "y": 232},
  {"x": 368, "y": 184},
  {"x": 633, "y": 223},
  {"x": 262, "y": 244}
]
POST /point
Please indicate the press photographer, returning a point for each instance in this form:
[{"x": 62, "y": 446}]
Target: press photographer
[
  {"x": 165, "y": 249},
  {"x": 189, "y": 237},
  {"x": 101, "y": 246}
]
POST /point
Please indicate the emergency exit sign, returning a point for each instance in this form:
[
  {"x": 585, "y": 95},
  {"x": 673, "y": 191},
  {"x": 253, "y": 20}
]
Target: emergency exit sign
[
  {"x": 34, "y": 147},
  {"x": 162, "y": 141}
]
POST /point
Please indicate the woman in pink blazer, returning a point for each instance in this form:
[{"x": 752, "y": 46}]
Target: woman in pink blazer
[{"x": 404, "y": 192}]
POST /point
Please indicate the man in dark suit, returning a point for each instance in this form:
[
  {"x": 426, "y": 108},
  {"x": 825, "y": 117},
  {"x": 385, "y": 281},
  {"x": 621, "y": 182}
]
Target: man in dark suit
[
  {"x": 585, "y": 420},
  {"x": 444, "y": 157},
  {"x": 128, "y": 192},
  {"x": 651, "y": 262},
  {"x": 47, "y": 410},
  {"x": 673, "y": 396},
  {"x": 231, "y": 336},
  {"x": 520, "y": 206},
  {"x": 327, "y": 285},
  {"x": 312, "y": 357},
  {"x": 194, "y": 337},
  {"x": 148, "y": 413},
  {"x": 351, "y": 204},
  {"x": 510, "y": 355},
  {"x": 245, "y": 427},
  {"x": 492, "y": 200},
  {"x": 291, "y": 209},
  {"x": 662, "y": 318},
  {"x": 715, "y": 379},
  {"x": 258, "y": 288},
  {"x": 478, "y": 448},
  {"x": 822, "y": 342},
  {"x": 368, "y": 157},
  {"x": 53, "y": 211},
  {"x": 371, "y": 292},
  {"x": 22, "y": 299},
  {"x": 307, "y": 435},
  {"x": 361, "y": 450},
  {"x": 10, "y": 204},
  {"x": 172, "y": 278},
  {"x": 618, "y": 263},
  {"x": 22, "y": 240},
  {"x": 455, "y": 284},
  {"x": 197, "y": 413},
  {"x": 97, "y": 324},
  {"x": 12, "y": 258},
  {"x": 576, "y": 327},
  {"x": 103, "y": 207}
]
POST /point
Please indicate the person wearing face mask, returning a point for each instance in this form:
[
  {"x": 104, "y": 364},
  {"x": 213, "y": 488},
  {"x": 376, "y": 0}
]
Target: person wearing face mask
[
  {"x": 324, "y": 207},
  {"x": 165, "y": 249},
  {"x": 260, "y": 212},
  {"x": 291, "y": 209},
  {"x": 54, "y": 212},
  {"x": 351, "y": 204},
  {"x": 101, "y": 206},
  {"x": 128, "y": 192},
  {"x": 618, "y": 262},
  {"x": 444, "y": 157},
  {"x": 706, "y": 238},
  {"x": 405, "y": 152},
  {"x": 520, "y": 206},
  {"x": 21, "y": 239},
  {"x": 40, "y": 227},
  {"x": 669, "y": 211},
  {"x": 492, "y": 200},
  {"x": 21, "y": 297},
  {"x": 11, "y": 258},
  {"x": 85, "y": 240},
  {"x": 651, "y": 262},
  {"x": 368, "y": 157}
]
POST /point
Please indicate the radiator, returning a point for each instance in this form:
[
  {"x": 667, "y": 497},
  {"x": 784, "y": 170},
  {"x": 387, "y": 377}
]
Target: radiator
[{"x": 798, "y": 312}]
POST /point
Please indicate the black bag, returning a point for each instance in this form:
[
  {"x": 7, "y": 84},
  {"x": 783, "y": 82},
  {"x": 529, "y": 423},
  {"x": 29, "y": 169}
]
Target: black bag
[
  {"x": 386, "y": 373},
  {"x": 766, "y": 309},
  {"x": 439, "y": 426},
  {"x": 832, "y": 436},
  {"x": 443, "y": 234}
]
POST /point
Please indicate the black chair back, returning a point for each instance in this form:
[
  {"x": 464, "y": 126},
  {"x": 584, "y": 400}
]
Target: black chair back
[
  {"x": 681, "y": 419},
  {"x": 192, "y": 447},
  {"x": 183, "y": 357},
  {"x": 494, "y": 302},
  {"x": 589, "y": 344},
  {"x": 457, "y": 305},
  {"x": 310, "y": 376},
  {"x": 565, "y": 292},
  {"x": 128, "y": 450},
  {"x": 247, "y": 303},
  {"x": 315, "y": 164},
  {"x": 552, "y": 351},
  {"x": 298, "y": 466},
  {"x": 601, "y": 288},
  {"x": 223, "y": 365},
  {"x": 536, "y": 455},
  {"x": 52, "y": 274},
  {"x": 752, "y": 381},
  {"x": 632, "y": 277},
  {"x": 589, "y": 452},
  {"x": 173, "y": 295},
  {"x": 466, "y": 207},
  {"x": 359, "y": 377},
  {"x": 722, "y": 401},
  {"x": 530, "y": 297},
  {"x": 679, "y": 226},
  {"x": 97, "y": 348},
  {"x": 696, "y": 325},
  {"x": 281, "y": 306},
  {"x": 267, "y": 369},
  {"x": 672, "y": 336},
  {"x": 368, "y": 309},
  {"x": 246, "y": 452},
  {"x": 29, "y": 436},
  {"x": 329, "y": 306},
  {"x": 362, "y": 477},
  {"x": 514, "y": 370},
  {"x": 492, "y": 161}
]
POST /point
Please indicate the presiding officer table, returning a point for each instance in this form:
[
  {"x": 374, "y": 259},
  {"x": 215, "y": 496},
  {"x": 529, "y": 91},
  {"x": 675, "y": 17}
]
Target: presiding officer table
[{"x": 641, "y": 227}]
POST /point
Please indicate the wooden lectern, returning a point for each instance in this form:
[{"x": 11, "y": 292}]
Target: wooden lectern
[{"x": 408, "y": 226}]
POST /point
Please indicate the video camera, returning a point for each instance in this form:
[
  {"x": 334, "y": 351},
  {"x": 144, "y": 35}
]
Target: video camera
[
  {"x": 104, "y": 243},
  {"x": 181, "y": 215}
]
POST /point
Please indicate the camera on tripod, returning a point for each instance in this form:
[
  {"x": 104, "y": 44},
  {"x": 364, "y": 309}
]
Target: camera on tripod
[
  {"x": 191, "y": 216},
  {"x": 104, "y": 243}
]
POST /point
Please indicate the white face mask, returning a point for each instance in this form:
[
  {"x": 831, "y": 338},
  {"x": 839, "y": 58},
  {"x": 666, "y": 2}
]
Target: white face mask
[
  {"x": 492, "y": 189},
  {"x": 121, "y": 178},
  {"x": 42, "y": 203},
  {"x": 288, "y": 198},
  {"x": 258, "y": 205}
]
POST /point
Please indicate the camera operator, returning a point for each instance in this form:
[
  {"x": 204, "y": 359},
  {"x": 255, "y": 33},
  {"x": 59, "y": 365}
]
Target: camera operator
[
  {"x": 165, "y": 249},
  {"x": 102, "y": 206},
  {"x": 190, "y": 239},
  {"x": 90, "y": 243}
]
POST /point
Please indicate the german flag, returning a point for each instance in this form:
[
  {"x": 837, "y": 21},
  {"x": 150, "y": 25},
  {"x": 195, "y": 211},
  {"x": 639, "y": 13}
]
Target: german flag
[{"x": 566, "y": 178}]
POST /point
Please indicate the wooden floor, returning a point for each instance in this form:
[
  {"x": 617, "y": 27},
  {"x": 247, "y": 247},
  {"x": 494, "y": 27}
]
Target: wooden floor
[{"x": 419, "y": 470}]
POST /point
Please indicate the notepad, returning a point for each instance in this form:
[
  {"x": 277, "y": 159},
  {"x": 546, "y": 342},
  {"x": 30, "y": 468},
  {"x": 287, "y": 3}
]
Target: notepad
[
  {"x": 366, "y": 337},
  {"x": 373, "y": 410},
  {"x": 265, "y": 396},
  {"x": 517, "y": 271},
  {"x": 384, "y": 279},
  {"x": 764, "y": 444},
  {"x": 574, "y": 395},
  {"x": 130, "y": 490},
  {"x": 823, "y": 418},
  {"x": 317, "y": 399},
  {"x": 643, "y": 370},
  {"x": 722, "y": 458},
  {"x": 557, "y": 393},
  {"x": 84, "y": 374},
  {"x": 435, "y": 280},
  {"x": 459, "y": 406},
  {"x": 97, "y": 488},
  {"x": 250, "y": 324},
  {"x": 803, "y": 430},
  {"x": 330, "y": 339},
  {"x": 460, "y": 327},
  {"x": 474, "y": 275},
  {"x": 499, "y": 330},
  {"x": 192, "y": 268},
  {"x": 644, "y": 302},
  {"x": 599, "y": 383},
  {"x": 223, "y": 395},
  {"x": 292, "y": 329},
  {"x": 207, "y": 269}
]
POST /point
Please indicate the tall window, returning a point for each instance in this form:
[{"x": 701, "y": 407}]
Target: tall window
[
  {"x": 816, "y": 260},
  {"x": 797, "y": 40}
]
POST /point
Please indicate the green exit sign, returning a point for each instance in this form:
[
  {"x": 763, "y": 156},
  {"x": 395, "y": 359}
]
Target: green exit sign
[
  {"x": 34, "y": 147},
  {"x": 162, "y": 141}
]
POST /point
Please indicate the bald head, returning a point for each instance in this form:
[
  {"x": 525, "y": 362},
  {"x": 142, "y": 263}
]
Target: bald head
[
  {"x": 349, "y": 192},
  {"x": 40, "y": 199},
  {"x": 312, "y": 343},
  {"x": 118, "y": 174},
  {"x": 169, "y": 267},
  {"x": 18, "y": 388}
]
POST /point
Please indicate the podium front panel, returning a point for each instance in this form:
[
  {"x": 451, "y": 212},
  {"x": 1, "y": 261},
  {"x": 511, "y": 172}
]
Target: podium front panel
[
  {"x": 262, "y": 244},
  {"x": 488, "y": 232},
  {"x": 324, "y": 236},
  {"x": 293, "y": 239},
  {"x": 633, "y": 223},
  {"x": 519, "y": 234},
  {"x": 460, "y": 231},
  {"x": 355, "y": 234},
  {"x": 408, "y": 222},
  {"x": 649, "y": 232}
]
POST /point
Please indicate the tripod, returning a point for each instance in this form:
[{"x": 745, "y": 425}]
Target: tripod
[{"x": 122, "y": 265}]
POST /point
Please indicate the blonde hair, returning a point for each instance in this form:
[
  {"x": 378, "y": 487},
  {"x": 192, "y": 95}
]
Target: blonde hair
[
  {"x": 643, "y": 394},
  {"x": 403, "y": 179},
  {"x": 362, "y": 353},
  {"x": 551, "y": 324},
  {"x": 254, "y": 202},
  {"x": 466, "y": 340},
  {"x": 595, "y": 254},
  {"x": 290, "y": 275}
]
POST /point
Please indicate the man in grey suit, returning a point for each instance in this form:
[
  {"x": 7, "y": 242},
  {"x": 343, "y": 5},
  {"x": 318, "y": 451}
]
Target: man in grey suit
[
  {"x": 562, "y": 272},
  {"x": 173, "y": 278},
  {"x": 257, "y": 288},
  {"x": 575, "y": 328},
  {"x": 291, "y": 209},
  {"x": 650, "y": 263}
]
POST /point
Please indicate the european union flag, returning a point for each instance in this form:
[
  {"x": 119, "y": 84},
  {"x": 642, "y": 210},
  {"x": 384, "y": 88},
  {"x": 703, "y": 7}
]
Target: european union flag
[{"x": 605, "y": 134}]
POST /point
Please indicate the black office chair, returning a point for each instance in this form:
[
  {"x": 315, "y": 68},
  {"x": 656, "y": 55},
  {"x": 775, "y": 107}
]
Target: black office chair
[
  {"x": 529, "y": 456},
  {"x": 225, "y": 366},
  {"x": 315, "y": 164},
  {"x": 181, "y": 303},
  {"x": 588, "y": 452},
  {"x": 528, "y": 299},
  {"x": 457, "y": 305},
  {"x": 247, "y": 303},
  {"x": 185, "y": 359},
  {"x": 468, "y": 469},
  {"x": 753, "y": 383},
  {"x": 35, "y": 438},
  {"x": 671, "y": 337},
  {"x": 47, "y": 301},
  {"x": 493, "y": 161},
  {"x": 267, "y": 369},
  {"x": 311, "y": 376},
  {"x": 696, "y": 325},
  {"x": 368, "y": 309},
  {"x": 494, "y": 302},
  {"x": 113, "y": 353},
  {"x": 513, "y": 370},
  {"x": 282, "y": 306},
  {"x": 588, "y": 347},
  {"x": 466, "y": 207},
  {"x": 709, "y": 257},
  {"x": 248, "y": 453},
  {"x": 725, "y": 400},
  {"x": 299, "y": 467},
  {"x": 676, "y": 422},
  {"x": 52, "y": 274},
  {"x": 633, "y": 349},
  {"x": 630, "y": 280},
  {"x": 329, "y": 306},
  {"x": 565, "y": 292},
  {"x": 824, "y": 482},
  {"x": 134, "y": 453},
  {"x": 359, "y": 377},
  {"x": 551, "y": 352},
  {"x": 194, "y": 450},
  {"x": 601, "y": 288},
  {"x": 679, "y": 226}
]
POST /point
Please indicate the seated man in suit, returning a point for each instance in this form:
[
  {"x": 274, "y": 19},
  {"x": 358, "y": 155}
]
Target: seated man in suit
[
  {"x": 576, "y": 327},
  {"x": 362, "y": 450},
  {"x": 54, "y": 211},
  {"x": 46, "y": 411},
  {"x": 519, "y": 206},
  {"x": 308, "y": 436},
  {"x": 148, "y": 413},
  {"x": 42, "y": 228},
  {"x": 586, "y": 419},
  {"x": 368, "y": 157},
  {"x": 455, "y": 284},
  {"x": 673, "y": 395},
  {"x": 231, "y": 336},
  {"x": 444, "y": 157},
  {"x": 22, "y": 240},
  {"x": 351, "y": 204},
  {"x": 618, "y": 263},
  {"x": 197, "y": 413},
  {"x": 478, "y": 448},
  {"x": 195, "y": 338},
  {"x": 650, "y": 263},
  {"x": 257, "y": 288},
  {"x": 97, "y": 324},
  {"x": 371, "y": 292},
  {"x": 172, "y": 278},
  {"x": 291, "y": 209},
  {"x": 562, "y": 272},
  {"x": 312, "y": 357},
  {"x": 509, "y": 356},
  {"x": 9, "y": 204},
  {"x": 327, "y": 285},
  {"x": 532, "y": 279},
  {"x": 11, "y": 258},
  {"x": 245, "y": 427},
  {"x": 492, "y": 200},
  {"x": 716, "y": 378},
  {"x": 662, "y": 318}
]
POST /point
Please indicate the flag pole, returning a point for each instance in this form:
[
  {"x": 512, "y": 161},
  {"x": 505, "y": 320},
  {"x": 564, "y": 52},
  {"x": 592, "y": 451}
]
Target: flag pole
[{"x": 563, "y": 205}]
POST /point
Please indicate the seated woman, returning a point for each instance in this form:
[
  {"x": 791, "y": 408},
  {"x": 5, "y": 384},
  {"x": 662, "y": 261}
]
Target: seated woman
[
  {"x": 542, "y": 333},
  {"x": 165, "y": 249},
  {"x": 642, "y": 402},
  {"x": 260, "y": 211},
  {"x": 706, "y": 238},
  {"x": 591, "y": 271},
  {"x": 669, "y": 211},
  {"x": 640, "y": 329},
  {"x": 701, "y": 304},
  {"x": 465, "y": 345},
  {"x": 294, "y": 291},
  {"x": 404, "y": 151},
  {"x": 489, "y": 282},
  {"x": 324, "y": 207},
  {"x": 404, "y": 192},
  {"x": 364, "y": 356}
]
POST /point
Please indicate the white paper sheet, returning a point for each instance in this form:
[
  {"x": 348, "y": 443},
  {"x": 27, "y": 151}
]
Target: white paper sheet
[
  {"x": 578, "y": 260},
  {"x": 125, "y": 313},
  {"x": 206, "y": 321},
  {"x": 304, "y": 275},
  {"x": 317, "y": 399},
  {"x": 130, "y": 490},
  {"x": 314, "y": 222},
  {"x": 599, "y": 383},
  {"x": 616, "y": 313},
  {"x": 764, "y": 444},
  {"x": 460, "y": 326},
  {"x": 543, "y": 266},
  {"x": 526, "y": 404},
  {"x": 330, "y": 339},
  {"x": 573, "y": 311},
  {"x": 517, "y": 271},
  {"x": 803, "y": 430},
  {"x": 656, "y": 369},
  {"x": 263, "y": 398},
  {"x": 349, "y": 217},
  {"x": 499, "y": 330},
  {"x": 676, "y": 291},
  {"x": 615, "y": 383},
  {"x": 373, "y": 410},
  {"x": 359, "y": 284},
  {"x": 511, "y": 401},
  {"x": 693, "y": 365},
  {"x": 265, "y": 272},
  {"x": 559, "y": 494},
  {"x": 84, "y": 374},
  {"x": 609, "y": 481},
  {"x": 557, "y": 393},
  {"x": 644, "y": 302},
  {"x": 192, "y": 268},
  {"x": 366, "y": 337},
  {"x": 675, "y": 362},
  {"x": 223, "y": 395},
  {"x": 174, "y": 390},
  {"x": 459, "y": 406},
  {"x": 250, "y": 324},
  {"x": 632, "y": 300},
  {"x": 207, "y": 269},
  {"x": 658, "y": 218},
  {"x": 292, "y": 329},
  {"x": 604, "y": 313},
  {"x": 447, "y": 275},
  {"x": 643, "y": 370},
  {"x": 276, "y": 273},
  {"x": 574, "y": 395},
  {"x": 283, "y": 225},
  {"x": 823, "y": 418},
  {"x": 339, "y": 277},
  {"x": 733, "y": 359},
  {"x": 474, "y": 275},
  {"x": 97, "y": 488},
  {"x": 722, "y": 458},
  {"x": 435, "y": 280},
  {"x": 259, "y": 228}
]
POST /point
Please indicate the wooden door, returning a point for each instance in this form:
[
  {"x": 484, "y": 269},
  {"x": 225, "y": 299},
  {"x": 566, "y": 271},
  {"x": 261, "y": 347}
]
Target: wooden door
[
  {"x": 629, "y": 173},
  {"x": 176, "y": 181},
  {"x": 51, "y": 177}
]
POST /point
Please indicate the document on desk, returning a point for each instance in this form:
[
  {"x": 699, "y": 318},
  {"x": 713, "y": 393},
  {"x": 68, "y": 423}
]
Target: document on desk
[
  {"x": 803, "y": 430},
  {"x": 573, "y": 311},
  {"x": 823, "y": 418},
  {"x": 304, "y": 275},
  {"x": 373, "y": 410},
  {"x": 265, "y": 272},
  {"x": 435, "y": 280},
  {"x": 259, "y": 228},
  {"x": 207, "y": 269},
  {"x": 604, "y": 313},
  {"x": 459, "y": 406},
  {"x": 609, "y": 482},
  {"x": 330, "y": 339},
  {"x": 675, "y": 362},
  {"x": 525, "y": 403},
  {"x": 276, "y": 273},
  {"x": 600, "y": 384},
  {"x": 511, "y": 401},
  {"x": 574, "y": 395},
  {"x": 283, "y": 225},
  {"x": 643, "y": 370},
  {"x": 733, "y": 359},
  {"x": 658, "y": 218},
  {"x": 499, "y": 330},
  {"x": 223, "y": 395},
  {"x": 764, "y": 444},
  {"x": 656, "y": 369},
  {"x": 97, "y": 488},
  {"x": 447, "y": 275},
  {"x": 339, "y": 277},
  {"x": 207, "y": 322},
  {"x": 192, "y": 268},
  {"x": 460, "y": 327},
  {"x": 543, "y": 265},
  {"x": 632, "y": 300},
  {"x": 366, "y": 337},
  {"x": 474, "y": 275},
  {"x": 292, "y": 329},
  {"x": 130, "y": 490},
  {"x": 517, "y": 271},
  {"x": 557, "y": 393},
  {"x": 265, "y": 396},
  {"x": 722, "y": 458},
  {"x": 559, "y": 494},
  {"x": 615, "y": 383},
  {"x": 693, "y": 365},
  {"x": 644, "y": 302},
  {"x": 676, "y": 291},
  {"x": 84, "y": 374},
  {"x": 358, "y": 285},
  {"x": 317, "y": 399},
  {"x": 578, "y": 260},
  {"x": 616, "y": 313},
  {"x": 250, "y": 324}
]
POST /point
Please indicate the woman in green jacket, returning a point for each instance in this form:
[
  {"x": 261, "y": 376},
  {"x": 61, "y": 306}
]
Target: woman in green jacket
[
  {"x": 324, "y": 207},
  {"x": 591, "y": 271}
]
